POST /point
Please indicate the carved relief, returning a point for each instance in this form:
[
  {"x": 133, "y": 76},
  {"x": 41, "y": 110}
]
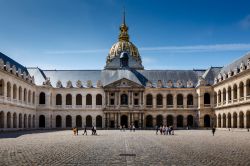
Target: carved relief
[
  {"x": 89, "y": 84},
  {"x": 235, "y": 71},
  {"x": 179, "y": 84},
  {"x": 169, "y": 84},
  {"x": 159, "y": 84},
  {"x": 59, "y": 84},
  {"x": 224, "y": 76},
  {"x": 79, "y": 84},
  {"x": 229, "y": 74},
  {"x": 47, "y": 82},
  {"x": 14, "y": 69},
  {"x": 149, "y": 84},
  {"x": 190, "y": 84},
  {"x": 8, "y": 66},
  {"x": 69, "y": 84},
  {"x": 19, "y": 73}
]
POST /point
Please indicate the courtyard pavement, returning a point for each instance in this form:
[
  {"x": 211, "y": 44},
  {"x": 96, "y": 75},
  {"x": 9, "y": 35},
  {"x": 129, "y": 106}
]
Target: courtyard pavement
[{"x": 113, "y": 147}]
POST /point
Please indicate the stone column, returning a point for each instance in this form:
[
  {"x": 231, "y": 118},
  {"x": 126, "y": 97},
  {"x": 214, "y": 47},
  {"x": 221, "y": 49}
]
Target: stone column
[
  {"x": 154, "y": 101},
  {"x": 238, "y": 94},
  {"x": 132, "y": 118},
  {"x": 175, "y": 100},
  {"x": 238, "y": 121},
  {"x": 129, "y": 119},
  {"x": 143, "y": 121},
  {"x": 74, "y": 120},
  {"x": 115, "y": 120},
  {"x": 63, "y": 121},
  {"x": 245, "y": 91},
  {"x": 185, "y": 101},
  {"x": 226, "y": 120},
  {"x": 226, "y": 96},
  {"x": 245, "y": 120},
  {"x": 132, "y": 98}
]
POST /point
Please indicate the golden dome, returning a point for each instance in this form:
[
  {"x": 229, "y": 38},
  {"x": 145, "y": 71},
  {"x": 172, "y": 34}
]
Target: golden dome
[{"x": 123, "y": 45}]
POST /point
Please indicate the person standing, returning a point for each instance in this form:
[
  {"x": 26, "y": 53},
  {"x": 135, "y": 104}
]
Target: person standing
[
  {"x": 134, "y": 128},
  {"x": 157, "y": 129},
  {"x": 213, "y": 130},
  {"x": 85, "y": 130}
]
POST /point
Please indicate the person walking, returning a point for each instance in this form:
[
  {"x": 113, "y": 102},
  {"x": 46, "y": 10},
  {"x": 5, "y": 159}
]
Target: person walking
[
  {"x": 213, "y": 130},
  {"x": 134, "y": 128},
  {"x": 157, "y": 129},
  {"x": 85, "y": 130}
]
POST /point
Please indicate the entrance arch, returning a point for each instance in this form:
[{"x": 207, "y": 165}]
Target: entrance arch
[
  {"x": 170, "y": 120},
  {"x": 179, "y": 121},
  {"x": 14, "y": 120},
  {"x": 241, "y": 118},
  {"x": 58, "y": 121},
  {"x": 219, "y": 121},
  {"x": 224, "y": 118},
  {"x": 41, "y": 121},
  {"x": 234, "y": 120},
  {"x": 124, "y": 120},
  {"x": 99, "y": 121},
  {"x": 159, "y": 120},
  {"x": 68, "y": 121},
  {"x": 190, "y": 121},
  {"x": 248, "y": 119},
  {"x": 78, "y": 121},
  {"x": 229, "y": 123},
  {"x": 88, "y": 121},
  {"x": 1, "y": 119},
  {"x": 8, "y": 120},
  {"x": 149, "y": 121}
]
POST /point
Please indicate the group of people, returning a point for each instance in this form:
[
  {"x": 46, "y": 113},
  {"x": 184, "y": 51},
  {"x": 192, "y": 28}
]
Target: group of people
[
  {"x": 93, "y": 129},
  {"x": 130, "y": 127},
  {"x": 165, "y": 130}
]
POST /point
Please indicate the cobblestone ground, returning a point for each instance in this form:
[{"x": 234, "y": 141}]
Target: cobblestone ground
[{"x": 193, "y": 147}]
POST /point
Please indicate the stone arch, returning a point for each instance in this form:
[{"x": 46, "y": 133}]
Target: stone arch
[
  {"x": 241, "y": 88},
  {"x": 224, "y": 120},
  {"x": 207, "y": 98},
  {"x": 149, "y": 100},
  {"x": 1, "y": 87},
  {"x": 78, "y": 121},
  {"x": 29, "y": 121},
  {"x": 58, "y": 99},
  {"x": 124, "y": 99},
  {"x": 207, "y": 121},
  {"x": 20, "y": 118},
  {"x": 215, "y": 98},
  {"x": 8, "y": 120},
  {"x": 224, "y": 95},
  {"x": 68, "y": 99},
  {"x": 248, "y": 119},
  {"x": 25, "y": 95},
  {"x": 170, "y": 101},
  {"x": 29, "y": 96},
  {"x": 235, "y": 92},
  {"x": 1, "y": 119},
  {"x": 159, "y": 100},
  {"x": 219, "y": 96},
  {"x": 229, "y": 93},
  {"x": 190, "y": 100},
  {"x": 234, "y": 120},
  {"x": 190, "y": 120},
  {"x": 89, "y": 121},
  {"x": 179, "y": 120},
  {"x": 25, "y": 121},
  {"x": 41, "y": 121},
  {"x": 229, "y": 123},
  {"x": 68, "y": 121},
  {"x": 58, "y": 121},
  {"x": 33, "y": 121},
  {"x": 8, "y": 89},
  {"x": 149, "y": 121},
  {"x": 124, "y": 120},
  {"x": 78, "y": 99},
  {"x": 98, "y": 99},
  {"x": 33, "y": 97},
  {"x": 179, "y": 100},
  {"x": 241, "y": 119},
  {"x": 170, "y": 120},
  {"x": 42, "y": 98},
  {"x": 219, "y": 121},
  {"x": 99, "y": 121},
  {"x": 89, "y": 100},
  {"x": 159, "y": 120},
  {"x": 248, "y": 87},
  {"x": 20, "y": 93},
  {"x": 14, "y": 120},
  {"x": 14, "y": 91}
]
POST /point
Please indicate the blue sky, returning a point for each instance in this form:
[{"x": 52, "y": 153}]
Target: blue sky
[{"x": 77, "y": 34}]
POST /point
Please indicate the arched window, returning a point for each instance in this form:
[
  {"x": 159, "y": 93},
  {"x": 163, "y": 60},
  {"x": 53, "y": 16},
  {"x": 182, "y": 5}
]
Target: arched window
[
  {"x": 89, "y": 99},
  {"x": 159, "y": 100},
  {"x": 224, "y": 95},
  {"x": 14, "y": 91},
  {"x": 42, "y": 98},
  {"x": 149, "y": 121},
  {"x": 170, "y": 120},
  {"x": 170, "y": 100},
  {"x": 124, "y": 99},
  {"x": 68, "y": 121},
  {"x": 190, "y": 120},
  {"x": 58, "y": 99},
  {"x": 33, "y": 97},
  {"x": 88, "y": 121},
  {"x": 25, "y": 95},
  {"x": 229, "y": 93},
  {"x": 29, "y": 96},
  {"x": 229, "y": 123},
  {"x": 206, "y": 121},
  {"x": 78, "y": 99},
  {"x": 20, "y": 92},
  {"x": 207, "y": 98},
  {"x": 58, "y": 121},
  {"x": 241, "y": 86},
  {"x": 149, "y": 100},
  {"x": 1, "y": 87},
  {"x": 20, "y": 118},
  {"x": 179, "y": 121},
  {"x": 98, "y": 99},
  {"x": 99, "y": 121},
  {"x": 248, "y": 87},
  {"x": 78, "y": 121},
  {"x": 8, "y": 89},
  {"x": 235, "y": 92},
  {"x": 219, "y": 96},
  {"x": 42, "y": 121},
  {"x": 179, "y": 100},
  {"x": 190, "y": 101},
  {"x": 159, "y": 120},
  {"x": 68, "y": 99}
]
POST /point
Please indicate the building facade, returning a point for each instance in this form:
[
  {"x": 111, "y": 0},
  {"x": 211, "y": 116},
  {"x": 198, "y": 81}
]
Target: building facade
[{"x": 124, "y": 93}]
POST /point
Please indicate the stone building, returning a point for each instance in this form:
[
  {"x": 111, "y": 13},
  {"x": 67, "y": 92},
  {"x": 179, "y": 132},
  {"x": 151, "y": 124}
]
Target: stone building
[{"x": 124, "y": 93}]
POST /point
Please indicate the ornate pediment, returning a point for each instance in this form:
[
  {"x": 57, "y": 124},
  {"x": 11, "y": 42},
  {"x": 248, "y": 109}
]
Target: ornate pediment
[{"x": 123, "y": 83}]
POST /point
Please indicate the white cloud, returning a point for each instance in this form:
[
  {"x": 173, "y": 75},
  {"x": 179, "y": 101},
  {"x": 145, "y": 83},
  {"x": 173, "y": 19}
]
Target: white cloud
[{"x": 245, "y": 23}]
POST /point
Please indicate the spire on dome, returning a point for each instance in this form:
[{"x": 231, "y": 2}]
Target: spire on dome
[{"x": 123, "y": 36}]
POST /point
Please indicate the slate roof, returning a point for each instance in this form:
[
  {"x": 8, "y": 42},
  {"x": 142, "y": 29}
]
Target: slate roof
[
  {"x": 210, "y": 74},
  {"x": 235, "y": 64},
  {"x": 5, "y": 58}
]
